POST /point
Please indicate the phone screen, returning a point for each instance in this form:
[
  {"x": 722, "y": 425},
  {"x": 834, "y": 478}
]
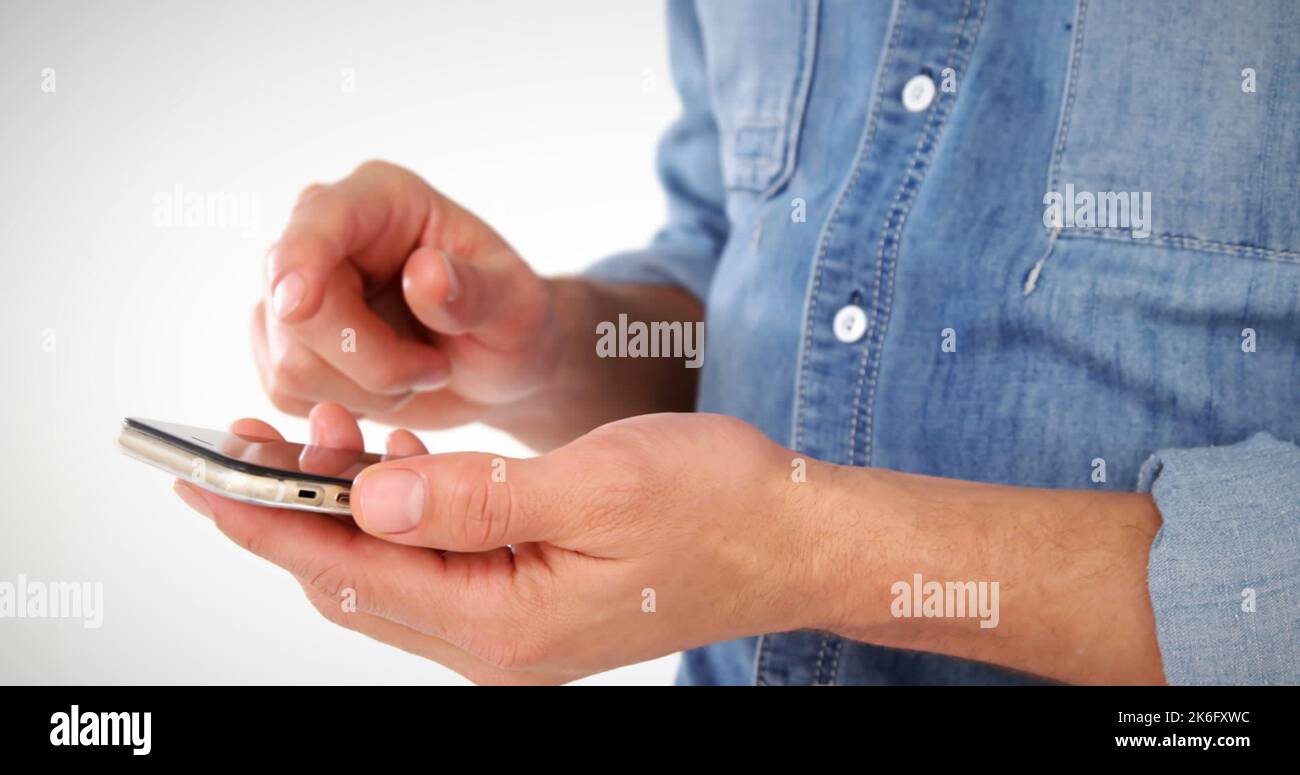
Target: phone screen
[{"x": 262, "y": 456}]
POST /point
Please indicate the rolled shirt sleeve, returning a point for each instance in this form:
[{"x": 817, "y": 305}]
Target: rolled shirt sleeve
[
  {"x": 1224, "y": 570},
  {"x": 685, "y": 252}
]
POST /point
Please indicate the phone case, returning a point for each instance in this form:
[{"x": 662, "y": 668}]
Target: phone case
[{"x": 215, "y": 476}]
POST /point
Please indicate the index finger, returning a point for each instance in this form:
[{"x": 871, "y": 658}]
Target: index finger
[{"x": 373, "y": 218}]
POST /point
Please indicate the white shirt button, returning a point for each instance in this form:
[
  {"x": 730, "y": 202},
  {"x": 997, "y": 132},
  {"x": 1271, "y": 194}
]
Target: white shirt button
[
  {"x": 850, "y": 323},
  {"x": 918, "y": 93}
]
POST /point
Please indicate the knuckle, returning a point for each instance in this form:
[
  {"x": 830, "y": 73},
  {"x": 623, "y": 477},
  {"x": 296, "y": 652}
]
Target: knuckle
[
  {"x": 630, "y": 456},
  {"x": 522, "y": 637},
  {"x": 328, "y": 608},
  {"x": 251, "y": 541},
  {"x": 308, "y": 191},
  {"x": 392, "y": 404},
  {"x": 630, "y": 439},
  {"x": 383, "y": 376},
  {"x": 376, "y": 167},
  {"x": 331, "y": 580},
  {"x": 510, "y": 652},
  {"x": 529, "y": 651},
  {"x": 391, "y": 178},
  {"x": 297, "y": 247},
  {"x": 287, "y": 403},
  {"x": 482, "y": 509},
  {"x": 734, "y": 429},
  {"x": 308, "y": 245},
  {"x": 292, "y": 371}
]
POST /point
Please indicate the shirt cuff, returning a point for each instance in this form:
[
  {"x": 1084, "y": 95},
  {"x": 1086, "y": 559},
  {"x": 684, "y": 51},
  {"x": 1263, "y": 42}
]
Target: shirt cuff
[{"x": 1224, "y": 572}]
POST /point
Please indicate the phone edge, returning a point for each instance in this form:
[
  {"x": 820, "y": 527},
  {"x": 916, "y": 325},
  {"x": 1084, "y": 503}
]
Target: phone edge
[{"x": 216, "y": 477}]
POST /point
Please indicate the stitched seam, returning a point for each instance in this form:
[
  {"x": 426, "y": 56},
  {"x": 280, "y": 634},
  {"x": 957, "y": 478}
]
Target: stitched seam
[
  {"x": 1072, "y": 82},
  {"x": 887, "y": 233},
  {"x": 835, "y": 662},
  {"x": 934, "y": 129},
  {"x": 833, "y": 645},
  {"x": 1176, "y": 240},
  {"x": 1062, "y": 132},
  {"x": 1181, "y": 241},
  {"x": 834, "y": 674},
  {"x": 892, "y": 234},
  {"x": 821, "y": 658},
  {"x": 760, "y": 662},
  {"x": 864, "y": 149},
  {"x": 799, "y": 100}
]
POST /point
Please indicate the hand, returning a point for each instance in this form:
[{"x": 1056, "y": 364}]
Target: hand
[
  {"x": 386, "y": 296},
  {"x": 689, "y": 516}
]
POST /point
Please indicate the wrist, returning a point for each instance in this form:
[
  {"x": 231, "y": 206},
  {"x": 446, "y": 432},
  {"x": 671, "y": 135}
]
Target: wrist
[
  {"x": 585, "y": 390},
  {"x": 859, "y": 543},
  {"x": 536, "y": 418}
]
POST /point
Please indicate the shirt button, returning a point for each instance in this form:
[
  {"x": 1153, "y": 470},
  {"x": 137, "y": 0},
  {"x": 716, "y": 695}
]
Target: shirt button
[
  {"x": 918, "y": 93},
  {"x": 850, "y": 323}
]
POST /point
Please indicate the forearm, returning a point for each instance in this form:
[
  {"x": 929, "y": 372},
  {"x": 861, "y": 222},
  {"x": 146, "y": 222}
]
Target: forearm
[
  {"x": 1071, "y": 569},
  {"x": 586, "y": 391}
]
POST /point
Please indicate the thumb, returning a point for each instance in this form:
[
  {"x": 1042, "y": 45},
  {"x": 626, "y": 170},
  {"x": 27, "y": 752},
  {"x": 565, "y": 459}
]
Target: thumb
[
  {"x": 463, "y": 501},
  {"x": 502, "y": 336},
  {"x": 497, "y": 298}
]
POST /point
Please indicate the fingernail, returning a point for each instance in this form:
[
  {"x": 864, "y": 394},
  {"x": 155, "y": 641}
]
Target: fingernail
[
  {"x": 390, "y": 500},
  {"x": 288, "y": 294},
  {"x": 453, "y": 282},
  {"x": 192, "y": 498}
]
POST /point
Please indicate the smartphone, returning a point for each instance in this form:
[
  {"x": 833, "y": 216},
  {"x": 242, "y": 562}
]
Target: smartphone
[{"x": 262, "y": 471}]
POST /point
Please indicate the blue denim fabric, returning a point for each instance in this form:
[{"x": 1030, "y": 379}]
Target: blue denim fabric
[
  {"x": 1074, "y": 343},
  {"x": 1225, "y": 580}
]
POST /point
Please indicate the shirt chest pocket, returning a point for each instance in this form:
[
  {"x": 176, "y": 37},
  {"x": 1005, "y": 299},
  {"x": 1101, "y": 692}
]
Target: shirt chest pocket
[
  {"x": 1194, "y": 106},
  {"x": 759, "y": 55}
]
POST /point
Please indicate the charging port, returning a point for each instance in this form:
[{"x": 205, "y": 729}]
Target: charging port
[{"x": 308, "y": 494}]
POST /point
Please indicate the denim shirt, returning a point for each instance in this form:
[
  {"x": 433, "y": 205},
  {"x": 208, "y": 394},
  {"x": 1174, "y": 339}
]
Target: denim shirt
[{"x": 860, "y": 193}]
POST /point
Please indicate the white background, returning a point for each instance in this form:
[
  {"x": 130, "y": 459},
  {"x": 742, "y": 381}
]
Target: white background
[{"x": 540, "y": 116}]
